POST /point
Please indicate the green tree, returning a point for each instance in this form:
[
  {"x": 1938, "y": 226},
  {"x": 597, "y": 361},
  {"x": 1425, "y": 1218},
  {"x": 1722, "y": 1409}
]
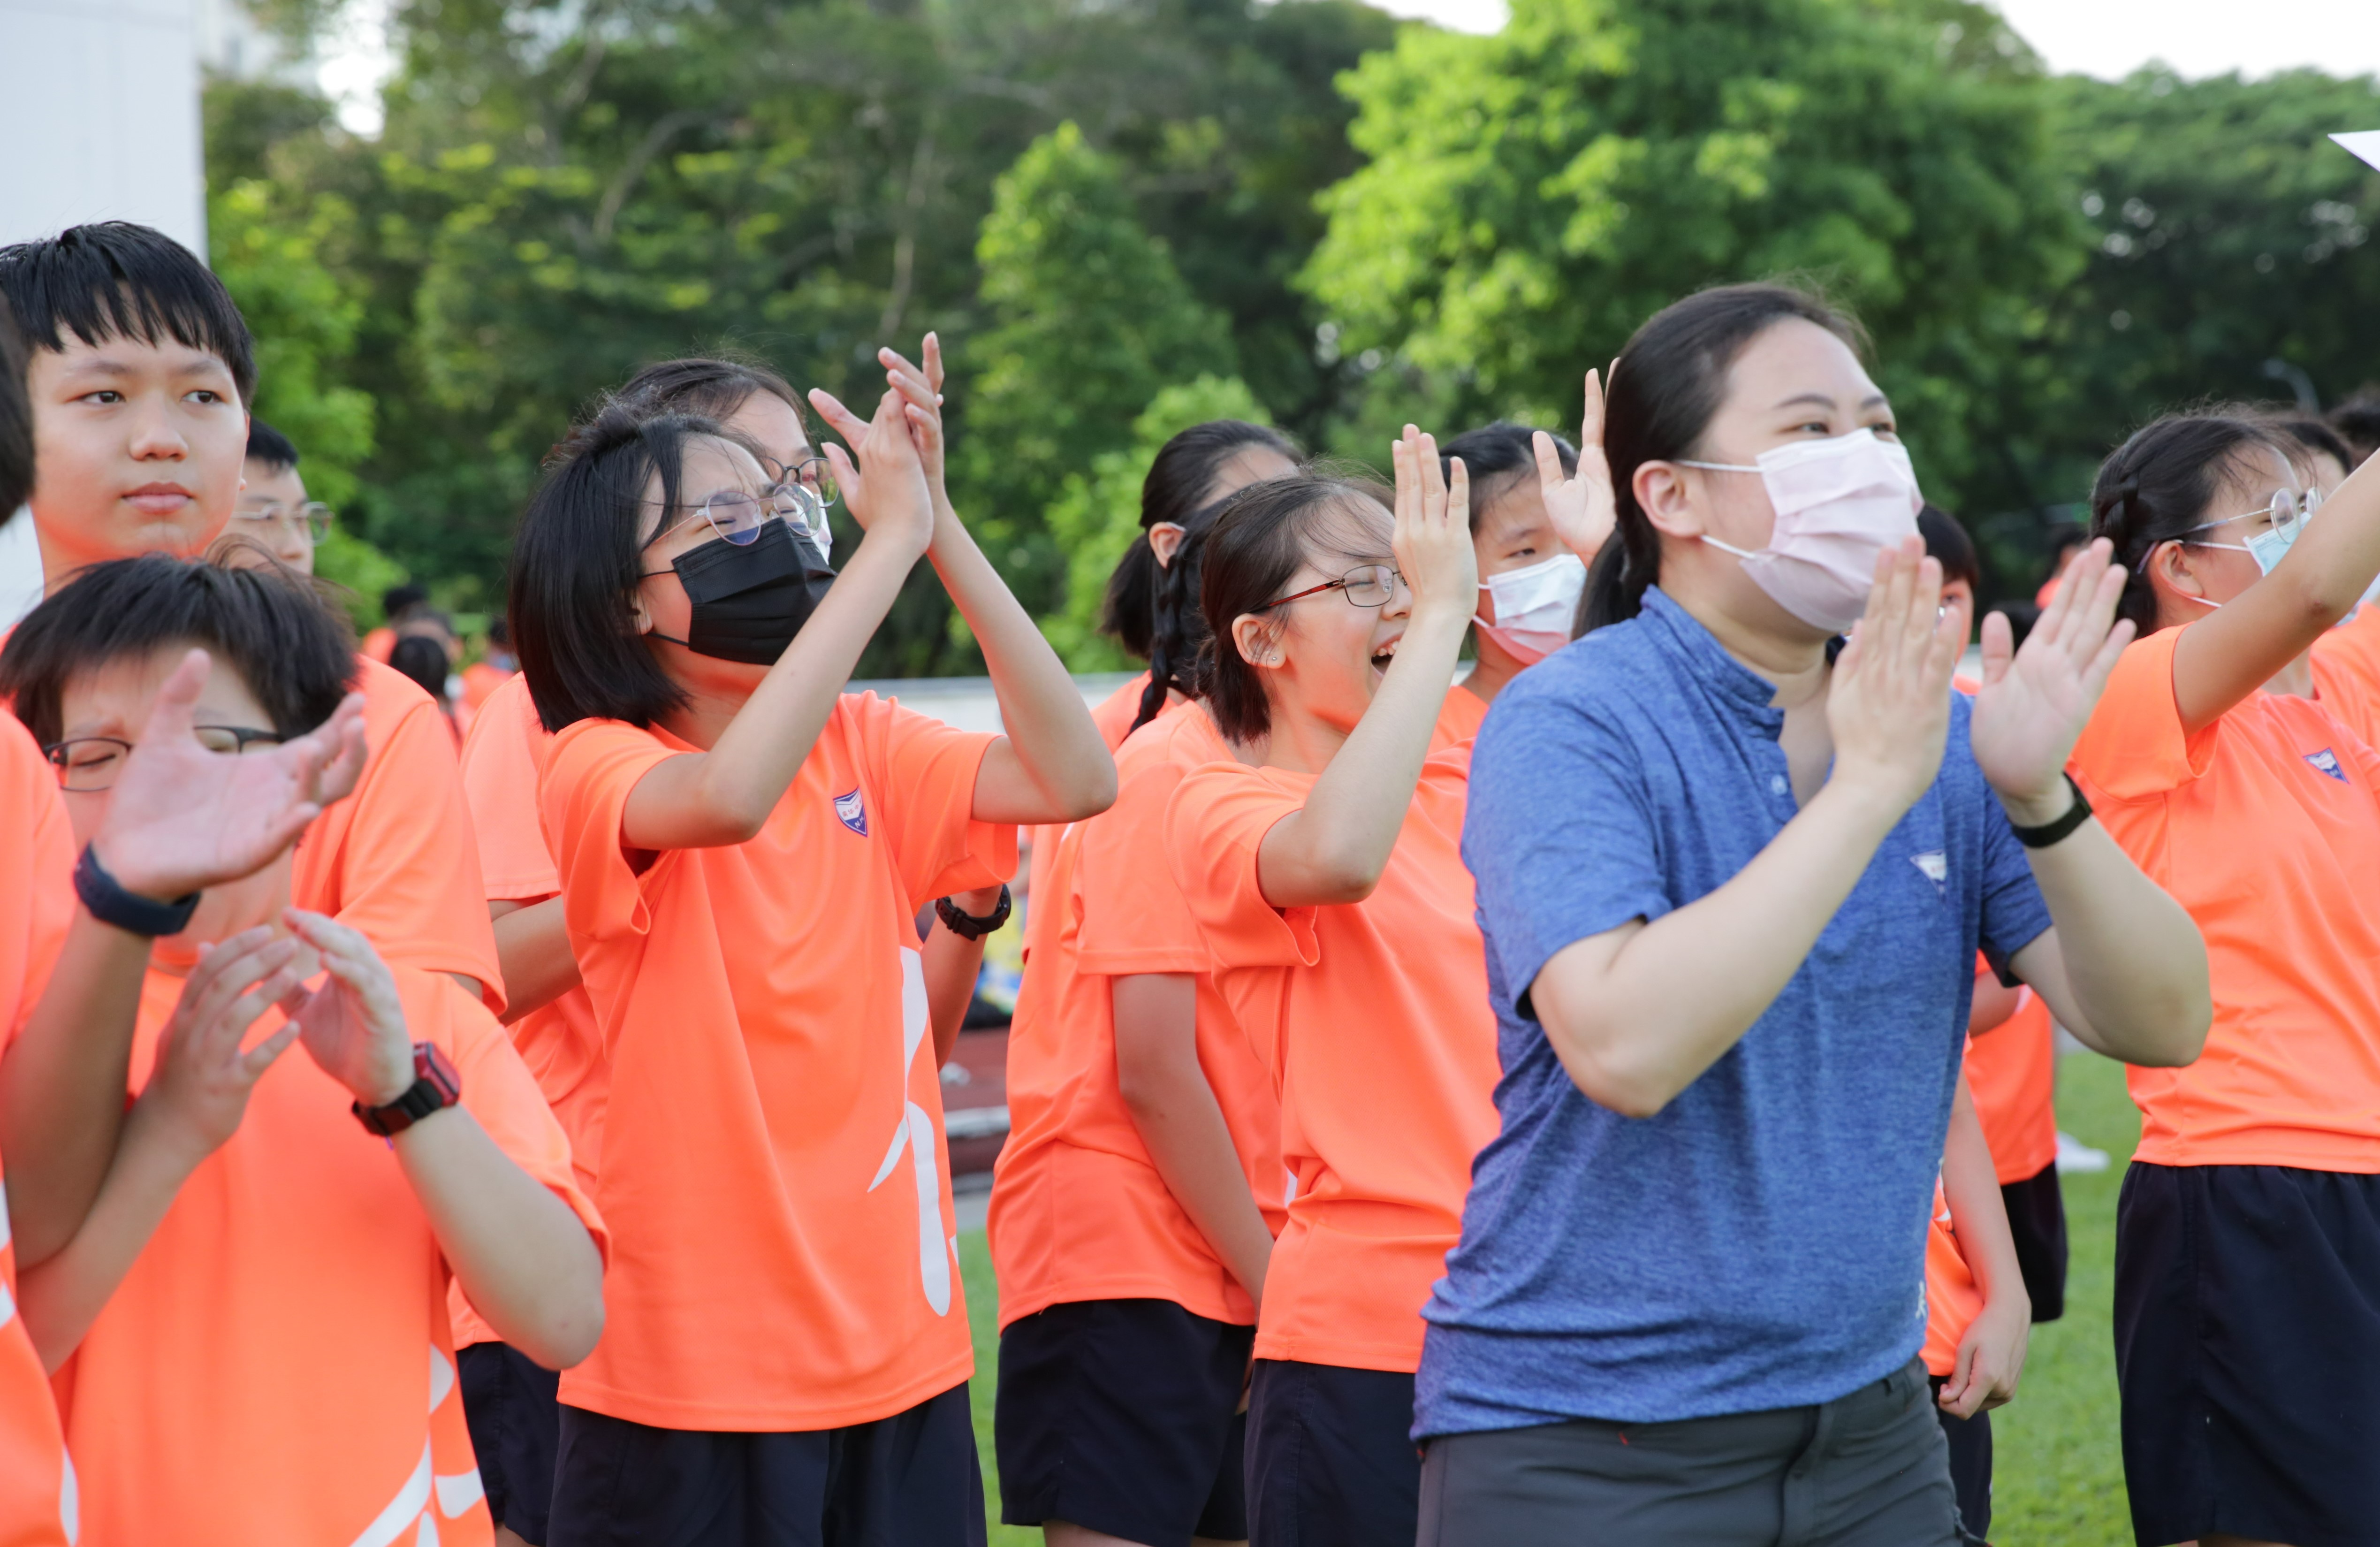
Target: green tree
[
  {"x": 1090, "y": 319},
  {"x": 1530, "y": 197},
  {"x": 1097, "y": 515}
]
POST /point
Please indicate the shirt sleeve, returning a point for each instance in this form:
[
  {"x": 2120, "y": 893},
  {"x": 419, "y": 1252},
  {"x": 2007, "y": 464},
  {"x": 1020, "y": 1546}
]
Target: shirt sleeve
[
  {"x": 1135, "y": 917},
  {"x": 927, "y": 771},
  {"x": 402, "y": 866},
  {"x": 499, "y": 787},
  {"x": 1214, "y": 823},
  {"x": 40, "y": 901},
  {"x": 2134, "y": 745},
  {"x": 499, "y": 1091},
  {"x": 1560, "y": 833},
  {"x": 581, "y": 800}
]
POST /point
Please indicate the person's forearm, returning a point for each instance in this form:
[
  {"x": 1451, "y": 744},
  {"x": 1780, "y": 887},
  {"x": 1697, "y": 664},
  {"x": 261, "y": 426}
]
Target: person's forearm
[
  {"x": 2135, "y": 965},
  {"x": 951, "y": 963},
  {"x": 724, "y": 797},
  {"x": 1334, "y": 847},
  {"x": 1050, "y": 731},
  {"x": 1174, "y": 1111},
  {"x": 521, "y": 1255},
  {"x": 533, "y": 948},
  {"x": 62, "y": 1295},
  {"x": 1978, "y": 1213},
  {"x": 1636, "y": 1016},
  {"x": 62, "y": 1085}
]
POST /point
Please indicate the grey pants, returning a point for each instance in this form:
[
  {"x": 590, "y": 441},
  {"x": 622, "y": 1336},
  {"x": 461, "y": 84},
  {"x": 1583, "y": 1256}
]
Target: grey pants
[{"x": 1869, "y": 1469}]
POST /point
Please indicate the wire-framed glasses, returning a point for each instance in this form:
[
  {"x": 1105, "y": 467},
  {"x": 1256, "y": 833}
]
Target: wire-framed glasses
[
  {"x": 313, "y": 516},
  {"x": 1367, "y": 585},
  {"x": 2289, "y": 508},
  {"x": 87, "y": 764}
]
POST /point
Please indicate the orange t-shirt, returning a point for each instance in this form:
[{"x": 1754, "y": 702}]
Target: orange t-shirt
[
  {"x": 1459, "y": 719},
  {"x": 2347, "y": 673},
  {"x": 1079, "y": 1209},
  {"x": 378, "y": 645},
  {"x": 277, "y": 1367},
  {"x": 38, "y": 1506},
  {"x": 773, "y": 1166},
  {"x": 2012, "y": 1069},
  {"x": 1374, "y": 1019},
  {"x": 2266, "y": 827},
  {"x": 395, "y": 860},
  {"x": 1952, "y": 1298},
  {"x": 558, "y": 1042},
  {"x": 1113, "y": 717}
]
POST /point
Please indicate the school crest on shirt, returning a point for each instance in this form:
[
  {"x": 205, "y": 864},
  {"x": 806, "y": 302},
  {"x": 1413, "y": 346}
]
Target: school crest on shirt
[
  {"x": 2327, "y": 762},
  {"x": 853, "y": 811}
]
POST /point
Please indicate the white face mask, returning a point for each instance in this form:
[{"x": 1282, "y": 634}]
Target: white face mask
[
  {"x": 1534, "y": 606},
  {"x": 1839, "y": 503}
]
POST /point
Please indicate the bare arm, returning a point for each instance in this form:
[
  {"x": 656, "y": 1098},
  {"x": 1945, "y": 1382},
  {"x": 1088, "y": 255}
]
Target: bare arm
[
  {"x": 1992, "y": 1005},
  {"x": 1991, "y": 1353},
  {"x": 724, "y": 796},
  {"x": 1334, "y": 847},
  {"x": 951, "y": 963},
  {"x": 2229, "y": 655},
  {"x": 1635, "y": 1013},
  {"x": 1052, "y": 765},
  {"x": 533, "y": 948},
  {"x": 2124, "y": 968},
  {"x": 1175, "y": 1113}
]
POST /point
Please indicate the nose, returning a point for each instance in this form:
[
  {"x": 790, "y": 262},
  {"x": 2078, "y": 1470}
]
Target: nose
[
  {"x": 1399, "y": 602},
  {"x": 155, "y": 437}
]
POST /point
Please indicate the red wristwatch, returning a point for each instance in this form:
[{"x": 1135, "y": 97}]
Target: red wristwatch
[{"x": 435, "y": 1086}]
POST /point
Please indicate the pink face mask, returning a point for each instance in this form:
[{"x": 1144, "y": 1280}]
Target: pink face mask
[{"x": 1840, "y": 504}]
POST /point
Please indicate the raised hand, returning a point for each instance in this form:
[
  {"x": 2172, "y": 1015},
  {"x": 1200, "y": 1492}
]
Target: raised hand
[
  {"x": 1888, "y": 705},
  {"x": 921, "y": 388},
  {"x": 354, "y": 1024},
  {"x": 2035, "y": 701},
  {"x": 199, "y": 1089},
  {"x": 182, "y": 819},
  {"x": 1432, "y": 537},
  {"x": 1582, "y": 505},
  {"x": 883, "y": 477}
]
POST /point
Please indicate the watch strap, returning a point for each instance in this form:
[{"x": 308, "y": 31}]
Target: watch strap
[
  {"x": 966, "y": 926},
  {"x": 435, "y": 1086},
  {"x": 2049, "y": 833},
  {"x": 108, "y": 902}
]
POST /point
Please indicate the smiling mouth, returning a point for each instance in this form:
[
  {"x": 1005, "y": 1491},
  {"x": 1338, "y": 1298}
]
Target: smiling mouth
[{"x": 1382, "y": 657}]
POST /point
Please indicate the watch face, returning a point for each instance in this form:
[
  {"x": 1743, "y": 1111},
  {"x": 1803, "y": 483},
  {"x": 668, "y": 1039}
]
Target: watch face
[{"x": 430, "y": 1065}]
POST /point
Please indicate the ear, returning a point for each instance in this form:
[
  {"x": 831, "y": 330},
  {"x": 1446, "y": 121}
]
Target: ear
[
  {"x": 1165, "y": 541},
  {"x": 1665, "y": 497},
  {"x": 1258, "y": 642},
  {"x": 2173, "y": 568},
  {"x": 638, "y": 613}
]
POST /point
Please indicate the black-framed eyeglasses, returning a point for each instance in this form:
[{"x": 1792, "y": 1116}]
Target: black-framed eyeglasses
[
  {"x": 807, "y": 484},
  {"x": 88, "y": 764},
  {"x": 1368, "y": 585},
  {"x": 314, "y": 515}
]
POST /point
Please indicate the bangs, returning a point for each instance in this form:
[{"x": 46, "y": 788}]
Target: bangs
[{"x": 116, "y": 280}]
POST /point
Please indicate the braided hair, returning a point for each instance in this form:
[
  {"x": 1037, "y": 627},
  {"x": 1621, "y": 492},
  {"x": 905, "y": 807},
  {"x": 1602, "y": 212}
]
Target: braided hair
[{"x": 2159, "y": 486}]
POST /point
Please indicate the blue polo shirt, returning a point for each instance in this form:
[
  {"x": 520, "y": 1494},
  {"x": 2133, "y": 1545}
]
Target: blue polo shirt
[{"x": 1761, "y": 1242}]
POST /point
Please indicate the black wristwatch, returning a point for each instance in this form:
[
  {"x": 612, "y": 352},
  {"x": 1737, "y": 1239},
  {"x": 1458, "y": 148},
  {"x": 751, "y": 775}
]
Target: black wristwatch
[
  {"x": 130, "y": 911},
  {"x": 966, "y": 926},
  {"x": 2049, "y": 833},
  {"x": 435, "y": 1086}
]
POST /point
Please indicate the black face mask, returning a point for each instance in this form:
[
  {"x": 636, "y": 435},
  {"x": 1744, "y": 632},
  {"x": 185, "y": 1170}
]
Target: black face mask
[{"x": 750, "y": 600}]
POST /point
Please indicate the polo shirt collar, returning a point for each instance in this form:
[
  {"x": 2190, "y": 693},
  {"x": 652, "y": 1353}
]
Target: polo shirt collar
[{"x": 1684, "y": 639}]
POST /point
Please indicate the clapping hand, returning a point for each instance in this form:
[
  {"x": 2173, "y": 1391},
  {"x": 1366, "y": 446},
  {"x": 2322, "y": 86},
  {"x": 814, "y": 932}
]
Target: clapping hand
[
  {"x": 1432, "y": 537},
  {"x": 1582, "y": 505},
  {"x": 2035, "y": 701},
  {"x": 199, "y": 1089},
  {"x": 182, "y": 817},
  {"x": 354, "y": 1024},
  {"x": 883, "y": 475},
  {"x": 1888, "y": 705}
]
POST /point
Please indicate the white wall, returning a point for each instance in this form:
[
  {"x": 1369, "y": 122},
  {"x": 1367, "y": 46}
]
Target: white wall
[{"x": 100, "y": 121}]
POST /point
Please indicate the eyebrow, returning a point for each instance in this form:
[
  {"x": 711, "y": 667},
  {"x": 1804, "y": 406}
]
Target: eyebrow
[{"x": 1820, "y": 399}]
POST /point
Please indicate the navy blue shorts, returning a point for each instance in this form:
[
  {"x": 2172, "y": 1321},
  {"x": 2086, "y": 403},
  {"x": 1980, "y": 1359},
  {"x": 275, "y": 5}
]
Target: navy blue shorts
[
  {"x": 1331, "y": 1461},
  {"x": 508, "y": 1400},
  {"x": 2248, "y": 1353},
  {"x": 907, "y": 1480},
  {"x": 1123, "y": 1417},
  {"x": 2037, "y": 1214}
]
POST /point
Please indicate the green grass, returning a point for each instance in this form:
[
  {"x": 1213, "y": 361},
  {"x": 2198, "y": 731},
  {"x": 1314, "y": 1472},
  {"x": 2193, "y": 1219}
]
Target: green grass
[{"x": 2060, "y": 1478}]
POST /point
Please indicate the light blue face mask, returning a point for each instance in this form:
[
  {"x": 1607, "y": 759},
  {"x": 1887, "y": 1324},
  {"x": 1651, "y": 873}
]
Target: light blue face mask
[{"x": 2290, "y": 511}]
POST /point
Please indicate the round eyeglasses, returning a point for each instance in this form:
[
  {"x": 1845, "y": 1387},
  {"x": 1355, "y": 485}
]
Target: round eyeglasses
[
  {"x": 736, "y": 516},
  {"x": 2289, "y": 508},
  {"x": 313, "y": 517},
  {"x": 1368, "y": 585},
  {"x": 87, "y": 764}
]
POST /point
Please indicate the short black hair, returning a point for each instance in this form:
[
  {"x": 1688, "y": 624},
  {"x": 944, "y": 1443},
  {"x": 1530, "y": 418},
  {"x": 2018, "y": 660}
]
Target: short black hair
[
  {"x": 16, "y": 419},
  {"x": 1949, "y": 545},
  {"x": 398, "y": 600},
  {"x": 1495, "y": 454},
  {"x": 270, "y": 447},
  {"x": 423, "y": 659},
  {"x": 2315, "y": 438},
  {"x": 292, "y": 649},
  {"x": 575, "y": 565},
  {"x": 115, "y": 279},
  {"x": 2358, "y": 422}
]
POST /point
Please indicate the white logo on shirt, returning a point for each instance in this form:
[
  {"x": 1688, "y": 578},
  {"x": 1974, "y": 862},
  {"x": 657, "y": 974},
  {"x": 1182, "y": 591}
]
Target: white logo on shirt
[
  {"x": 1936, "y": 867},
  {"x": 915, "y": 1132}
]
